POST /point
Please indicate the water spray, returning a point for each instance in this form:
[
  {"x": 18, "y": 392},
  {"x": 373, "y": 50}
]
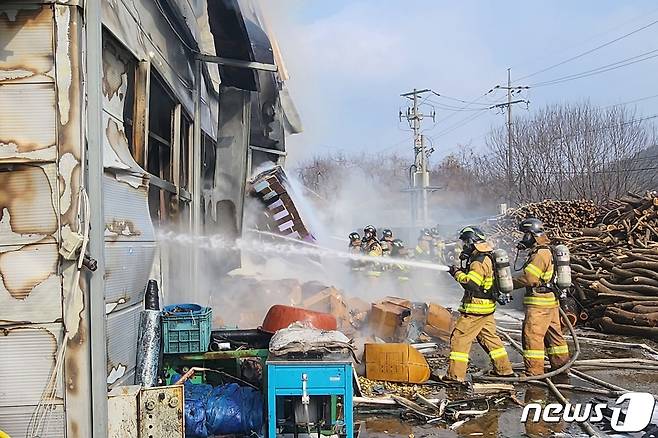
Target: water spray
[{"x": 296, "y": 247}]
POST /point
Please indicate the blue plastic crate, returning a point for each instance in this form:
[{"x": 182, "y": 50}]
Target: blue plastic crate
[{"x": 186, "y": 328}]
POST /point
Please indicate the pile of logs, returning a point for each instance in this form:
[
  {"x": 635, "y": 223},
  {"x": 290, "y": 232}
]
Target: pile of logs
[
  {"x": 556, "y": 215},
  {"x": 614, "y": 255}
]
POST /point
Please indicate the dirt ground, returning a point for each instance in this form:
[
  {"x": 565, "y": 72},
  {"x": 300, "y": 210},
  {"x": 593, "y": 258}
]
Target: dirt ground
[{"x": 504, "y": 421}]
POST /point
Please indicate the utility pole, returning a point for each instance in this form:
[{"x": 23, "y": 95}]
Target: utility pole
[
  {"x": 419, "y": 175},
  {"x": 508, "y": 105}
]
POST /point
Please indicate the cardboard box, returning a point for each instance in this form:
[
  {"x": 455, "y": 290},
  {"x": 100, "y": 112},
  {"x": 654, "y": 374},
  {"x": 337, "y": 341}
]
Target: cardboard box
[
  {"x": 439, "y": 322},
  {"x": 395, "y": 363},
  {"x": 331, "y": 301},
  {"x": 387, "y": 315}
]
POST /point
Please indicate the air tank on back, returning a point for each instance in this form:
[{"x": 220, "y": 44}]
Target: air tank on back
[
  {"x": 503, "y": 271},
  {"x": 563, "y": 267}
]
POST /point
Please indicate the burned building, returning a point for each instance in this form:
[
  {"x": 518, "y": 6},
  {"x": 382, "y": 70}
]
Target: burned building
[{"x": 117, "y": 119}]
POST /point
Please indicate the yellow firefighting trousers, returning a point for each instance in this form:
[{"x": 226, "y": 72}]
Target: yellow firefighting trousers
[
  {"x": 467, "y": 329},
  {"x": 542, "y": 334}
]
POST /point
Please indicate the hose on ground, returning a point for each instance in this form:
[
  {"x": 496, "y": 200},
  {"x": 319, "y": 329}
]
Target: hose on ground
[{"x": 552, "y": 373}]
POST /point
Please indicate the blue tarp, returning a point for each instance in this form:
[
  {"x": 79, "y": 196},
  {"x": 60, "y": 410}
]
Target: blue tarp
[{"x": 222, "y": 410}]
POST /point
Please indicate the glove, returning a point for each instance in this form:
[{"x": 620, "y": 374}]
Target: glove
[{"x": 452, "y": 270}]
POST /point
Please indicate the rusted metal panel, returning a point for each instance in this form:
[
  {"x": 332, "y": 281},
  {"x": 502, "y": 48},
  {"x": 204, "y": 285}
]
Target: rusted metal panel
[
  {"x": 27, "y": 130},
  {"x": 161, "y": 412},
  {"x": 26, "y": 38},
  {"x": 15, "y": 421},
  {"x": 127, "y": 269},
  {"x": 127, "y": 216},
  {"x": 122, "y": 412},
  {"x": 28, "y": 358},
  {"x": 28, "y": 204},
  {"x": 122, "y": 342}
]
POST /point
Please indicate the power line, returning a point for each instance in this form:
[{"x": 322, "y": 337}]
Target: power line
[
  {"x": 599, "y": 70},
  {"x": 631, "y": 101},
  {"x": 580, "y": 55}
]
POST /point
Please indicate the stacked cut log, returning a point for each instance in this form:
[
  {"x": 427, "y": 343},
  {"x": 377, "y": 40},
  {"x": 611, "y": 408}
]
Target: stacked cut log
[{"x": 614, "y": 255}]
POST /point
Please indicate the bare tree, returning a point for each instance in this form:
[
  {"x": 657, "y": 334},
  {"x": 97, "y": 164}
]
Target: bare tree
[{"x": 574, "y": 151}]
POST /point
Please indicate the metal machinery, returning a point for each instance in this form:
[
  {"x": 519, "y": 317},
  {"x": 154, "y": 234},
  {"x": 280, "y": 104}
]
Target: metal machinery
[{"x": 309, "y": 397}]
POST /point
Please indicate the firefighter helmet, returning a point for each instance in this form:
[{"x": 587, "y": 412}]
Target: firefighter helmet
[
  {"x": 369, "y": 232},
  {"x": 470, "y": 236},
  {"x": 434, "y": 231},
  {"x": 387, "y": 234},
  {"x": 354, "y": 237},
  {"x": 531, "y": 229},
  {"x": 398, "y": 243}
]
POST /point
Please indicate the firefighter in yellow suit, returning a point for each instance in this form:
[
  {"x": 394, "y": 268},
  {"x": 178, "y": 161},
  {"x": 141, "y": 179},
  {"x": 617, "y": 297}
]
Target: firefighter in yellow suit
[
  {"x": 542, "y": 330},
  {"x": 477, "y": 308},
  {"x": 370, "y": 246}
]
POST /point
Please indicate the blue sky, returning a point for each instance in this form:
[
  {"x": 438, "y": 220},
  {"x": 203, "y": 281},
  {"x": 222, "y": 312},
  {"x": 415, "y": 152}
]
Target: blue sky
[{"x": 350, "y": 60}]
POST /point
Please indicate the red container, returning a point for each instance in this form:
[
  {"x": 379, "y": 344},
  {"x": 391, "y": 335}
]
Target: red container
[{"x": 280, "y": 316}]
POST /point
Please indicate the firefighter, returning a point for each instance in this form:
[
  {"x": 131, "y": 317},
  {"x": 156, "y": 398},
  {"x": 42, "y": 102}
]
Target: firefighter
[
  {"x": 542, "y": 330},
  {"x": 438, "y": 247},
  {"x": 424, "y": 246},
  {"x": 355, "y": 249},
  {"x": 386, "y": 242},
  {"x": 370, "y": 246},
  {"x": 399, "y": 251},
  {"x": 477, "y": 308}
]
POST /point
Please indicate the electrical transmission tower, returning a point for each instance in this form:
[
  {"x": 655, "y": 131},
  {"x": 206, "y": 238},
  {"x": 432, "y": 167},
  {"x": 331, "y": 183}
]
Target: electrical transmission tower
[
  {"x": 508, "y": 105},
  {"x": 419, "y": 183}
]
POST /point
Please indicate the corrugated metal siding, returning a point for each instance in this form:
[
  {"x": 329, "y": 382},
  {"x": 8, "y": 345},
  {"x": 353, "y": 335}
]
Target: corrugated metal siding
[
  {"x": 122, "y": 338},
  {"x": 30, "y": 286},
  {"x": 28, "y": 358},
  {"x": 28, "y": 205},
  {"x": 126, "y": 273},
  {"x": 26, "y": 38},
  {"x": 30, "y": 282},
  {"x": 27, "y": 125},
  {"x": 14, "y": 421},
  {"x": 127, "y": 216}
]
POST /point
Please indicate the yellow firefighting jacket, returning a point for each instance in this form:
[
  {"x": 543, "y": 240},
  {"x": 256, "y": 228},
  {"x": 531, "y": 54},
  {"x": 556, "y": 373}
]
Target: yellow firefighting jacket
[
  {"x": 373, "y": 248},
  {"x": 355, "y": 248},
  {"x": 477, "y": 283},
  {"x": 537, "y": 272}
]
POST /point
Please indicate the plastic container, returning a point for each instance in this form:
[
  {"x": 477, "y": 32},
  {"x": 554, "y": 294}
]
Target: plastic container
[
  {"x": 186, "y": 328},
  {"x": 280, "y": 316}
]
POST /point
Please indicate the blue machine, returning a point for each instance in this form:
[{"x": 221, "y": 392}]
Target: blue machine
[{"x": 298, "y": 388}]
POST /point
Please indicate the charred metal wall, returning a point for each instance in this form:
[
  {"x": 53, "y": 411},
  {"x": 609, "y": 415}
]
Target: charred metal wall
[
  {"x": 32, "y": 198},
  {"x": 44, "y": 299}
]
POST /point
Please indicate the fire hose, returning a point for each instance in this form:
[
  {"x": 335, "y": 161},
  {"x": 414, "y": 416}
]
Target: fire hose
[
  {"x": 585, "y": 425},
  {"x": 552, "y": 373}
]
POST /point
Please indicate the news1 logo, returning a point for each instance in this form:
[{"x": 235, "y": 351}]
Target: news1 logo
[{"x": 638, "y": 413}]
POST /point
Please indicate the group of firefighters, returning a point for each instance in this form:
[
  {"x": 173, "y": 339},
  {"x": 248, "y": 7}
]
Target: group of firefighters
[
  {"x": 430, "y": 248},
  {"x": 477, "y": 273},
  {"x": 542, "y": 330}
]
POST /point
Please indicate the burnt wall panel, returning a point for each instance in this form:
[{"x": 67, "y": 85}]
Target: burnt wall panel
[
  {"x": 122, "y": 342},
  {"x": 126, "y": 273},
  {"x": 26, "y": 44},
  {"x": 30, "y": 285},
  {"x": 28, "y": 359},
  {"x": 27, "y": 130}
]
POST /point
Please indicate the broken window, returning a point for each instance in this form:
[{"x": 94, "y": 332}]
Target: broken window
[
  {"x": 185, "y": 141},
  {"x": 161, "y": 109},
  {"x": 209, "y": 154},
  {"x": 119, "y": 67}
]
